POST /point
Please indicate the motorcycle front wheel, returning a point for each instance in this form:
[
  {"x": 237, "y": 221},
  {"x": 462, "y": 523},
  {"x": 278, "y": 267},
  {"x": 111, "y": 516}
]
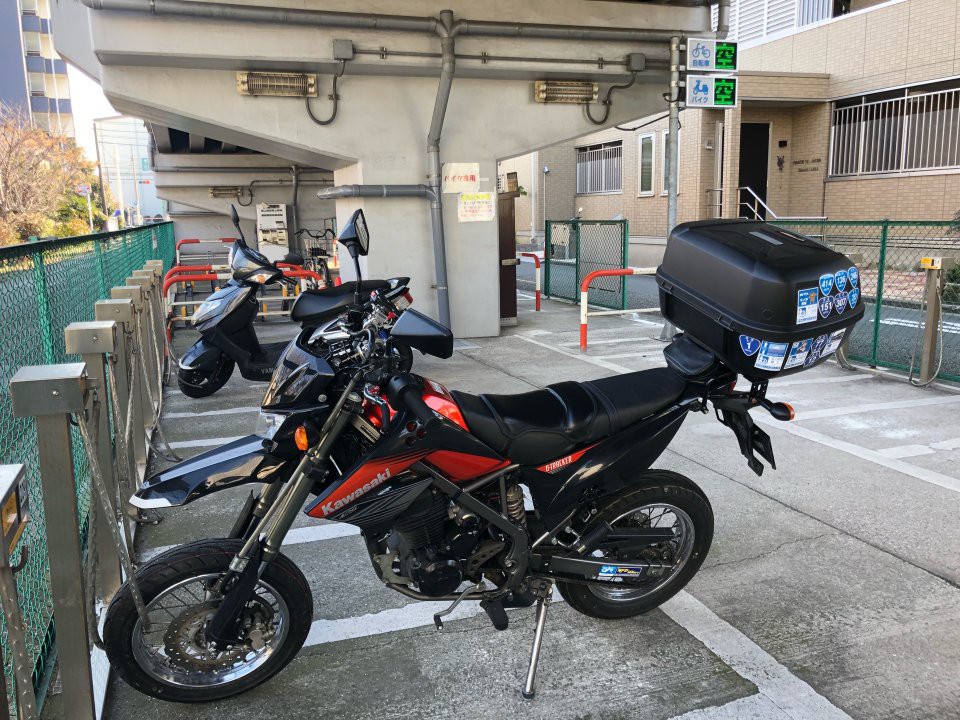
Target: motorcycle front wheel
[
  {"x": 196, "y": 384},
  {"x": 172, "y": 659},
  {"x": 659, "y": 499}
]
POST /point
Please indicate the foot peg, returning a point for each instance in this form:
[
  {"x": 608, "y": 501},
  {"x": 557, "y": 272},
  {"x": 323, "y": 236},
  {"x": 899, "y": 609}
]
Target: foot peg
[{"x": 496, "y": 613}]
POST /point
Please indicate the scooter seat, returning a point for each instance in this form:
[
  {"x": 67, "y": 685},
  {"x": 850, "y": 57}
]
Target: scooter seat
[
  {"x": 314, "y": 306},
  {"x": 536, "y": 427}
]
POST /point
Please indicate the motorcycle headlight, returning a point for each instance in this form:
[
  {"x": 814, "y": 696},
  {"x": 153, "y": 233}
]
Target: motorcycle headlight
[
  {"x": 268, "y": 424},
  {"x": 207, "y": 309}
]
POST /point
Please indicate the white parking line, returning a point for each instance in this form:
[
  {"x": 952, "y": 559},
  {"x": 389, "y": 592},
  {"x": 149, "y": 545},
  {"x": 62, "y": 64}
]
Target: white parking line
[
  {"x": 208, "y": 413},
  {"x": 788, "y": 692},
  {"x": 905, "y": 451},
  {"x": 816, "y": 380},
  {"x": 613, "y": 342},
  {"x": 793, "y": 697},
  {"x": 577, "y": 356},
  {"x": 930, "y": 476},
  {"x": 948, "y": 327},
  {"x": 876, "y": 407}
]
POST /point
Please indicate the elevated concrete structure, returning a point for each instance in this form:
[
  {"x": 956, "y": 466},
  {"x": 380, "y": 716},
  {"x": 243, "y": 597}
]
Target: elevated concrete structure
[{"x": 173, "y": 63}]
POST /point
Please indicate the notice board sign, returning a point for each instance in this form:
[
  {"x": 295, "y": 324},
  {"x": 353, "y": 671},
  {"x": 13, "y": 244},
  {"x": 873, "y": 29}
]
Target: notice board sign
[{"x": 476, "y": 207}]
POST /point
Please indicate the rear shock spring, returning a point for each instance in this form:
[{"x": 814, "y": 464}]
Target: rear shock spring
[{"x": 515, "y": 506}]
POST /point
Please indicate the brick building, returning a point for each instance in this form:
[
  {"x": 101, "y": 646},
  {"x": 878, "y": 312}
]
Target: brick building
[{"x": 849, "y": 117}]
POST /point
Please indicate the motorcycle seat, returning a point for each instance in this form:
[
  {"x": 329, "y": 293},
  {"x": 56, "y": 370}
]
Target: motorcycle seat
[
  {"x": 313, "y": 306},
  {"x": 536, "y": 427}
]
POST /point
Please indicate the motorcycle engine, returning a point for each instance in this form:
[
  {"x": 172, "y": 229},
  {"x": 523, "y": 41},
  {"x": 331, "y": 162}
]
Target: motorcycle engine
[{"x": 433, "y": 542}]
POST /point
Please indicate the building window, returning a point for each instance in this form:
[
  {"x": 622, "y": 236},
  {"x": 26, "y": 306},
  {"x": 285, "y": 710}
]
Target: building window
[
  {"x": 31, "y": 43},
  {"x": 28, "y": 7},
  {"x": 37, "y": 87},
  {"x": 599, "y": 168},
  {"x": 665, "y": 163},
  {"x": 912, "y": 131},
  {"x": 645, "y": 164}
]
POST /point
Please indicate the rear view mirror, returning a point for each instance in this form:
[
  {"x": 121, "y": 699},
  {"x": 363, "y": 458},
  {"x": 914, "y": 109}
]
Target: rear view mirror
[
  {"x": 355, "y": 235},
  {"x": 236, "y": 220}
]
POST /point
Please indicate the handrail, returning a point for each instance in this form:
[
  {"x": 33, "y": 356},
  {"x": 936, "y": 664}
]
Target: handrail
[{"x": 771, "y": 213}]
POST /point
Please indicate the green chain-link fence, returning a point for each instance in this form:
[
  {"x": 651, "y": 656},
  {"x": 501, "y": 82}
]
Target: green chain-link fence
[
  {"x": 45, "y": 286},
  {"x": 574, "y": 249},
  {"x": 892, "y": 286}
]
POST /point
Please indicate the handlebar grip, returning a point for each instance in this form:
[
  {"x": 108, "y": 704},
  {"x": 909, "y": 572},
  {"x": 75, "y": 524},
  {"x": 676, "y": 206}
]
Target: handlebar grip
[{"x": 405, "y": 390}]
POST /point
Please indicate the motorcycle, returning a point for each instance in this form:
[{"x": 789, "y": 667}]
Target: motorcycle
[
  {"x": 435, "y": 481},
  {"x": 225, "y": 319}
]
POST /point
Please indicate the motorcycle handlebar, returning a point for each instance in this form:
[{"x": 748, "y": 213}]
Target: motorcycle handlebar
[{"x": 404, "y": 391}]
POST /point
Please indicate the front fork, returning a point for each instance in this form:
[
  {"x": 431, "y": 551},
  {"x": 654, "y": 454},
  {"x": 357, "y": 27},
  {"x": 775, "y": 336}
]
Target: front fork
[{"x": 280, "y": 509}]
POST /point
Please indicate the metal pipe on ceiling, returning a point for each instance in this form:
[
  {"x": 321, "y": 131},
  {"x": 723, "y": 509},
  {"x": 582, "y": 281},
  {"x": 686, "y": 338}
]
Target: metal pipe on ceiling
[
  {"x": 232, "y": 169},
  {"x": 391, "y": 23}
]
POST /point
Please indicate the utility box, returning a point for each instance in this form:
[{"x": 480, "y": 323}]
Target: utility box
[
  {"x": 273, "y": 227},
  {"x": 766, "y": 301},
  {"x": 14, "y": 505}
]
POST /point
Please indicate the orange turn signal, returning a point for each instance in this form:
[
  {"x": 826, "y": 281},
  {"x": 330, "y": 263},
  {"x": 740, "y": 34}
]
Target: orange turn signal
[
  {"x": 301, "y": 439},
  {"x": 790, "y": 408}
]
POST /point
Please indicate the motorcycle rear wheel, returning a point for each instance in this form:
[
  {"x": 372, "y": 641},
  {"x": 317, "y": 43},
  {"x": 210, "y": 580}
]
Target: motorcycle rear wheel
[
  {"x": 194, "y": 384},
  {"x": 661, "y": 499},
  {"x": 172, "y": 660}
]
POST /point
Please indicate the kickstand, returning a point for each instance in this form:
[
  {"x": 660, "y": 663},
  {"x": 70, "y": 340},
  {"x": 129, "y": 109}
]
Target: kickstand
[{"x": 543, "y": 600}]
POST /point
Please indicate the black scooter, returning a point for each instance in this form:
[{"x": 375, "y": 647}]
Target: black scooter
[{"x": 225, "y": 319}]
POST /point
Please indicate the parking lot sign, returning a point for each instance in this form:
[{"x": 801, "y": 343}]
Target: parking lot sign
[
  {"x": 709, "y": 55},
  {"x": 711, "y": 91}
]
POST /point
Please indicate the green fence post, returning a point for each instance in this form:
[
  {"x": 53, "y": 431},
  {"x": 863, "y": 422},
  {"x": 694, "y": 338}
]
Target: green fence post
[
  {"x": 43, "y": 306},
  {"x": 547, "y": 240},
  {"x": 881, "y": 270},
  {"x": 626, "y": 261}
]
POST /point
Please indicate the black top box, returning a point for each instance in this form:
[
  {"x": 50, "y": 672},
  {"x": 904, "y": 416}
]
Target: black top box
[{"x": 768, "y": 302}]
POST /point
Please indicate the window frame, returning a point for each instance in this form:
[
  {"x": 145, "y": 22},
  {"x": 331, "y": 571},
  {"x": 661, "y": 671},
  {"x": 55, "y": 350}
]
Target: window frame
[
  {"x": 584, "y": 150},
  {"x": 652, "y": 136}
]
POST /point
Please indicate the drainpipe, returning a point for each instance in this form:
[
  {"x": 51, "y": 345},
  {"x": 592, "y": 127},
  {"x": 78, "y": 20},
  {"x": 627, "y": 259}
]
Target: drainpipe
[
  {"x": 294, "y": 215},
  {"x": 723, "y": 19},
  {"x": 447, "y": 69}
]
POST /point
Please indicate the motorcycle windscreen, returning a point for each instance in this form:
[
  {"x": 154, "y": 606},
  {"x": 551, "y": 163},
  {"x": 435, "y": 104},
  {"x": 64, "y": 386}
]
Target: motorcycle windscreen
[{"x": 419, "y": 332}]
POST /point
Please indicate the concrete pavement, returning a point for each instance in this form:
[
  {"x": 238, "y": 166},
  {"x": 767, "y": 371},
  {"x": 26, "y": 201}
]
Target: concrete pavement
[{"x": 831, "y": 589}]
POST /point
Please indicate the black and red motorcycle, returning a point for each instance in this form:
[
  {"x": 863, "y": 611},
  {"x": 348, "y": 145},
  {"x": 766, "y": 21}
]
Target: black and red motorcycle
[{"x": 435, "y": 481}]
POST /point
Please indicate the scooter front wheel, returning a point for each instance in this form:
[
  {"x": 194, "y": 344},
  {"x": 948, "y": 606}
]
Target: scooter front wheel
[
  {"x": 198, "y": 384},
  {"x": 172, "y": 659}
]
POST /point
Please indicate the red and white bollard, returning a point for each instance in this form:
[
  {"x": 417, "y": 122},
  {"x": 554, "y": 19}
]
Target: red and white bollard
[
  {"x": 536, "y": 272},
  {"x": 585, "y": 293}
]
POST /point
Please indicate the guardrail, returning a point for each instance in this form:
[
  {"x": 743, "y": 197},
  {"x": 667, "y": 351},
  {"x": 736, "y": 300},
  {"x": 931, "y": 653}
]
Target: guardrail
[
  {"x": 585, "y": 295},
  {"x": 536, "y": 272},
  {"x": 93, "y": 423}
]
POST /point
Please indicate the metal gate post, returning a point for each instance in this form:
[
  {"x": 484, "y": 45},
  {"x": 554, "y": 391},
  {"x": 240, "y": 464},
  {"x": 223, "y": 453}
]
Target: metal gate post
[
  {"x": 148, "y": 321},
  {"x": 50, "y": 393},
  {"x": 936, "y": 277},
  {"x": 122, "y": 312},
  {"x": 842, "y": 359},
  {"x": 135, "y": 293},
  {"x": 14, "y": 498},
  {"x": 94, "y": 341}
]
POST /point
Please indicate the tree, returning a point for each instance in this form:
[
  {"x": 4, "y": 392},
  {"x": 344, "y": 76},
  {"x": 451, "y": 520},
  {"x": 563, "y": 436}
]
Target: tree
[{"x": 39, "y": 172}]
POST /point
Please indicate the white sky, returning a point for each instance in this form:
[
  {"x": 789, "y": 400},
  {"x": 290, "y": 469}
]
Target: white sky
[{"x": 89, "y": 104}]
